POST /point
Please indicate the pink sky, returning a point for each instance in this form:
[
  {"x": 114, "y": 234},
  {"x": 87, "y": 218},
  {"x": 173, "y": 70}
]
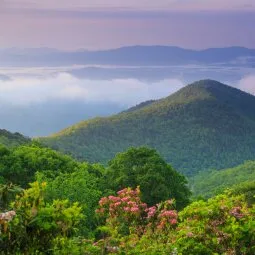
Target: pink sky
[
  {"x": 134, "y": 4},
  {"x": 97, "y": 24}
]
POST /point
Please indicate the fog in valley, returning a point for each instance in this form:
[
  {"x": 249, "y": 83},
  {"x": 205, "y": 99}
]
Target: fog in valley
[{"x": 40, "y": 100}]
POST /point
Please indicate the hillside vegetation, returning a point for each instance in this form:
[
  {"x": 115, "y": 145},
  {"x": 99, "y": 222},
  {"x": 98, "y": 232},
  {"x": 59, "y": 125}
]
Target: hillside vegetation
[
  {"x": 12, "y": 139},
  {"x": 211, "y": 183},
  {"x": 52, "y": 204},
  {"x": 206, "y": 125}
]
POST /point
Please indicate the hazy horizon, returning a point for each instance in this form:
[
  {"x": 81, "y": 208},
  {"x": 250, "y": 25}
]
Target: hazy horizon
[
  {"x": 43, "y": 89},
  {"x": 121, "y": 47}
]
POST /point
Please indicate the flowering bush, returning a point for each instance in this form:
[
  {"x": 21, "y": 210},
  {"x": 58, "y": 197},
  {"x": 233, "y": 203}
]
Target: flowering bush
[
  {"x": 162, "y": 217},
  {"x": 5, "y": 218},
  {"x": 129, "y": 219},
  {"x": 124, "y": 212},
  {"x": 36, "y": 223},
  {"x": 221, "y": 225}
]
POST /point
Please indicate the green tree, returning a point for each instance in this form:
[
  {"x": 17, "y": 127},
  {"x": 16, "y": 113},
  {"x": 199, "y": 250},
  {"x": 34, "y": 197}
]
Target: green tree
[
  {"x": 36, "y": 223},
  {"x": 20, "y": 164},
  {"x": 80, "y": 186},
  {"x": 144, "y": 167}
]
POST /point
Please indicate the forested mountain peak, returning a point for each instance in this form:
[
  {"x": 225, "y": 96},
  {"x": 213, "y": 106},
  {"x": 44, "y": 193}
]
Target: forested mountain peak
[
  {"x": 205, "y": 90},
  {"x": 210, "y": 88},
  {"x": 200, "y": 91},
  {"x": 205, "y": 125}
]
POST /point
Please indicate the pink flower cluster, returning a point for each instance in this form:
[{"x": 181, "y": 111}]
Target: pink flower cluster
[
  {"x": 161, "y": 212},
  {"x": 151, "y": 211},
  {"x": 7, "y": 216},
  {"x": 128, "y": 202},
  {"x": 167, "y": 217},
  {"x": 128, "y": 207},
  {"x": 162, "y": 215}
]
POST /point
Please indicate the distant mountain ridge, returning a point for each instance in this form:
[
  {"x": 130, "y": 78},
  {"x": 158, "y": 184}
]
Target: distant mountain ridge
[
  {"x": 10, "y": 140},
  {"x": 131, "y": 56},
  {"x": 206, "y": 125}
]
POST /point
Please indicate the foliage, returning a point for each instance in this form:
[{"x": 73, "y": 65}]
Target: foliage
[
  {"x": 74, "y": 246},
  {"x": 20, "y": 164},
  {"x": 145, "y": 168},
  {"x": 247, "y": 189},
  {"x": 206, "y": 125},
  {"x": 124, "y": 212},
  {"x": 128, "y": 219},
  {"x": 34, "y": 224},
  {"x": 12, "y": 139},
  {"x": 221, "y": 225},
  {"x": 67, "y": 216},
  {"x": 215, "y": 182},
  {"x": 7, "y": 193},
  {"x": 66, "y": 178},
  {"x": 79, "y": 186}
]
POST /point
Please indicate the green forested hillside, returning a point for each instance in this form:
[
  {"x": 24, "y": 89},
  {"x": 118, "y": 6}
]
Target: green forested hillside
[
  {"x": 62, "y": 196},
  {"x": 206, "y": 125},
  {"x": 71, "y": 209},
  {"x": 211, "y": 183},
  {"x": 12, "y": 139}
]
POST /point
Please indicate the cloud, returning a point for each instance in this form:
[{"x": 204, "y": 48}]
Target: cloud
[
  {"x": 4, "y": 77},
  {"x": 126, "y": 92},
  {"x": 247, "y": 84},
  {"x": 63, "y": 87}
]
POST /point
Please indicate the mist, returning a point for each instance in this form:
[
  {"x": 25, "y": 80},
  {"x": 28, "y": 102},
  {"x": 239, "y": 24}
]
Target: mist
[
  {"x": 63, "y": 86},
  {"x": 39, "y": 106},
  {"x": 41, "y": 102},
  {"x": 247, "y": 84}
]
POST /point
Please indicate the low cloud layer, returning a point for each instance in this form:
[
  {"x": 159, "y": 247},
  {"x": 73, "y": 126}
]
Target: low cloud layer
[
  {"x": 65, "y": 87},
  {"x": 247, "y": 84},
  {"x": 126, "y": 92},
  {"x": 41, "y": 105}
]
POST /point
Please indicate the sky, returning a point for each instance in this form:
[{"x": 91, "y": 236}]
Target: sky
[{"x": 104, "y": 24}]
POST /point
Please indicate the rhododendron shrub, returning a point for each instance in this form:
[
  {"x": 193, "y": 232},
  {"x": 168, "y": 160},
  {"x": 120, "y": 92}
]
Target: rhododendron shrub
[
  {"x": 34, "y": 224},
  {"x": 128, "y": 218},
  {"x": 5, "y": 218},
  {"x": 127, "y": 208},
  {"x": 222, "y": 225},
  {"x": 124, "y": 212},
  {"x": 162, "y": 217}
]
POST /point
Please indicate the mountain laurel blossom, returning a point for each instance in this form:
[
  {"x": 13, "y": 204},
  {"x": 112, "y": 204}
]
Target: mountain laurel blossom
[{"x": 7, "y": 216}]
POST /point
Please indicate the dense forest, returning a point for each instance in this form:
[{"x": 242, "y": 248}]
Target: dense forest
[
  {"x": 173, "y": 176},
  {"x": 135, "y": 204},
  {"x": 206, "y": 125}
]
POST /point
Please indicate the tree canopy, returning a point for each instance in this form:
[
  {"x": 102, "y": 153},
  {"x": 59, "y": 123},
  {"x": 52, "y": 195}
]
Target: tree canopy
[{"x": 144, "y": 167}]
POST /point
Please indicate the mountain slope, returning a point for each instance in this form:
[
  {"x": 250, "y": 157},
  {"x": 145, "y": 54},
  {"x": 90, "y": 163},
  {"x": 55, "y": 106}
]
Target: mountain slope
[
  {"x": 215, "y": 182},
  {"x": 203, "y": 126},
  {"x": 12, "y": 139}
]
